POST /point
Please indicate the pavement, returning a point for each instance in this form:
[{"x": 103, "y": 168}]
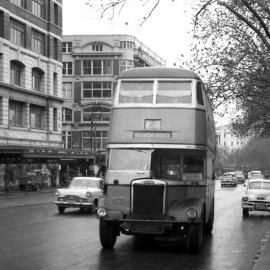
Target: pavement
[{"x": 17, "y": 193}]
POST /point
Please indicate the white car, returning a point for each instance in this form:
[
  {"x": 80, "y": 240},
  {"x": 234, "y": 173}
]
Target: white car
[
  {"x": 83, "y": 193},
  {"x": 256, "y": 196}
]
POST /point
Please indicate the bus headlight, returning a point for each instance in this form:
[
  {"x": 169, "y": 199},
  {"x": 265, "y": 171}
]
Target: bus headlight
[
  {"x": 245, "y": 198},
  {"x": 191, "y": 213},
  {"x": 57, "y": 193},
  {"x": 101, "y": 212}
]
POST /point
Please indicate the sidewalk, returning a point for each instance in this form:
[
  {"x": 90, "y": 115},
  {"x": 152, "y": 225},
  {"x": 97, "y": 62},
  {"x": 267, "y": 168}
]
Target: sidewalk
[{"x": 17, "y": 192}]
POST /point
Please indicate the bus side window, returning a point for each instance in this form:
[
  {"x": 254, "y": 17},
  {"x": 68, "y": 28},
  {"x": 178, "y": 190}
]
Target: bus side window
[{"x": 199, "y": 93}]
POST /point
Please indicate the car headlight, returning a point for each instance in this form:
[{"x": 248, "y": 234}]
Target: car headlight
[
  {"x": 245, "y": 198},
  {"x": 57, "y": 193},
  {"x": 191, "y": 213},
  {"x": 88, "y": 194},
  {"x": 101, "y": 212}
]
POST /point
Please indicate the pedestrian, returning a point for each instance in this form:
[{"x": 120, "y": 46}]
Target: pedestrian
[{"x": 6, "y": 180}]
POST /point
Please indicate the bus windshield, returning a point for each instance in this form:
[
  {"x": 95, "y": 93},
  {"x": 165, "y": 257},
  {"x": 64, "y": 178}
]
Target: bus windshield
[
  {"x": 130, "y": 159},
  {"x": 149, "y": 92},
  {"x": 136, "y": 92},
  {"x": 174, "y": 92}
]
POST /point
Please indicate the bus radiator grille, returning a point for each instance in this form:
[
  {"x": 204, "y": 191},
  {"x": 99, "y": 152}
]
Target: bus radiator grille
[{"x": 148, "y": 200}]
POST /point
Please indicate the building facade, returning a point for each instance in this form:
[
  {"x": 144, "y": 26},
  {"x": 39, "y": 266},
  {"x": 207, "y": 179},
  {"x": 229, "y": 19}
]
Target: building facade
[
  {"x": 91, "y": 65},
  {"x": 227, "y": 141},
  {"x": 30, "y": 84}
]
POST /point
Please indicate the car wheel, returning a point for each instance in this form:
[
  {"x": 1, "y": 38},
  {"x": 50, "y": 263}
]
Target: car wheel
[
  {"x": 107, "y": 235},
  {"x": 245, "y": 212},
  {"x": 61, "y": 209},
  {"x": 194, "y": 238}
]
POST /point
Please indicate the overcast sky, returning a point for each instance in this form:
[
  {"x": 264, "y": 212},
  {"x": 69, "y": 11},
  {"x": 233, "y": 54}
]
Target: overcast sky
[{"x": 166, "y": 32}]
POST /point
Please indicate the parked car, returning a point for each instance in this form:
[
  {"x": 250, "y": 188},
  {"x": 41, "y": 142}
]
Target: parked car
[
  {"x": 228, "y": 180},
  {"x": 31, "y": 180},
  {"x": 83, "y": 193},
  {"x": 256, "y": 196}
]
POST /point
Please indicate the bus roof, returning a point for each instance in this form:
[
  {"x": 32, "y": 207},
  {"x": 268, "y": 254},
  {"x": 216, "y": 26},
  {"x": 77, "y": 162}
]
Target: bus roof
[{"x": 158, "y": 72}]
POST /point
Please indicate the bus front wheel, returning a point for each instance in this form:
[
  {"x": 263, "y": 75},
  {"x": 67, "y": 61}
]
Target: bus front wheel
[
  {"x": 194, "y": 238},
  {"x": 107, "y": 234}
]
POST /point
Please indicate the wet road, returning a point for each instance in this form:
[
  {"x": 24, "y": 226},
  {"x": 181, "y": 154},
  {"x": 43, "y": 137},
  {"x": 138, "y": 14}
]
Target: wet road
[{"x": 34, "y": 236}]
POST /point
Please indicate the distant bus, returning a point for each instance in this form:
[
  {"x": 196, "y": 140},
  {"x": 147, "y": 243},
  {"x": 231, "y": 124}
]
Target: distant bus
[{"x": 161, "y": 152}]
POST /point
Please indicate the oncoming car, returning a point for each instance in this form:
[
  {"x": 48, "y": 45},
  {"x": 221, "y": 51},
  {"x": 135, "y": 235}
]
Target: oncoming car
[
  {"x": 228, "y": 180},
  {"x": 83, "y": 193},
  {"x": 256, "y": 196}
]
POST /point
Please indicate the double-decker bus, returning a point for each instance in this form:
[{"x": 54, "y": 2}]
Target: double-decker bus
[{"x": 160, "y": 158}]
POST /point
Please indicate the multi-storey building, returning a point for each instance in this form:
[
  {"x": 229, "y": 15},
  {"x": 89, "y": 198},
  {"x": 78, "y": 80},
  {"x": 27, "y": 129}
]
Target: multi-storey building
[
  {"x": 91, "y": 64},
  {"x": 30, "y": 82},
  {"x": 227, "y": 141}
]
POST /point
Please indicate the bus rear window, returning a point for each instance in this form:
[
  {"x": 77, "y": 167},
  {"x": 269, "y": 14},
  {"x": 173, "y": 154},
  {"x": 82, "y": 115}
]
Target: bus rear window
[
  {"x": 136, "y": 92},
  {"x": 174, "y": 92}
]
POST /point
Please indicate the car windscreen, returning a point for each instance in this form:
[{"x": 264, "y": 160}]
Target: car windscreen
[
  {"x": 83, "y": 183},
  {"x": 255, "y": 185}
]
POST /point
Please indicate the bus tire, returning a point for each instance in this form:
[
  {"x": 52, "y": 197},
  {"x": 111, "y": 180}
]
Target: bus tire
[
  {"x": 209, "y": 224},
  {"x": 107, "y": 234},
  {"x": 194, "y": 239}
]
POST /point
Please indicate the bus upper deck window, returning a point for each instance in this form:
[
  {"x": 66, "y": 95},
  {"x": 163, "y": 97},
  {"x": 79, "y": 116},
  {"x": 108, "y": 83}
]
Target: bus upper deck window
[
  {"x": 174, "y": 92},
  {"x": 199, "y": 93},
  {"x": 136, "y": 92}
]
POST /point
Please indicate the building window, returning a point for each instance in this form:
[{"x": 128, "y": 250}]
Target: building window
[
  {"x": 38, "y": 40},
  {"x": 97, "y": 90},
  {"x": 55, "y": 48},
  {"x": 38, "y": 8},
  {"x": 16, "y": 73},
  {"x": 67, "y": 90},
  {"x": 37, "y": 76},
  {"x": 20, "y": 3},
  {"x": 127, "y": 45},
  {"x": 87, "y": 140},
  {"x": 67, "y": 115},
  {"x": 97, "y": 67},
  {"x": 17, "y": 33},
  {"x": 99, "y": 114},
  {"x": 55, "y": 83},
  {"x": 101, "y": 139},
  {"x": 97, "y": 47},
  {"x": 54, "y": 119},
  {"x": 37, "y": 117},
  {"x": 125, "y": 64},
  {"x": 15, "y": 116},
  {"x": 67, "y": 68},
  {"x": 66, "y": 139},
  {"x": 66, "y": 46},
  {"x": 55, "y": 12}
]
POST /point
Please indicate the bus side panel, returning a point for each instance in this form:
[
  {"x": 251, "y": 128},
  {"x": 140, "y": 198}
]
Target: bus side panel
[{"x": 178, "y": 126}]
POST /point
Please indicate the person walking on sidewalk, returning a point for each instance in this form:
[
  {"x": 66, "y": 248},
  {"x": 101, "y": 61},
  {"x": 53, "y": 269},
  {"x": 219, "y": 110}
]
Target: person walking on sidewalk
[{"x": 6, "y": 180}]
